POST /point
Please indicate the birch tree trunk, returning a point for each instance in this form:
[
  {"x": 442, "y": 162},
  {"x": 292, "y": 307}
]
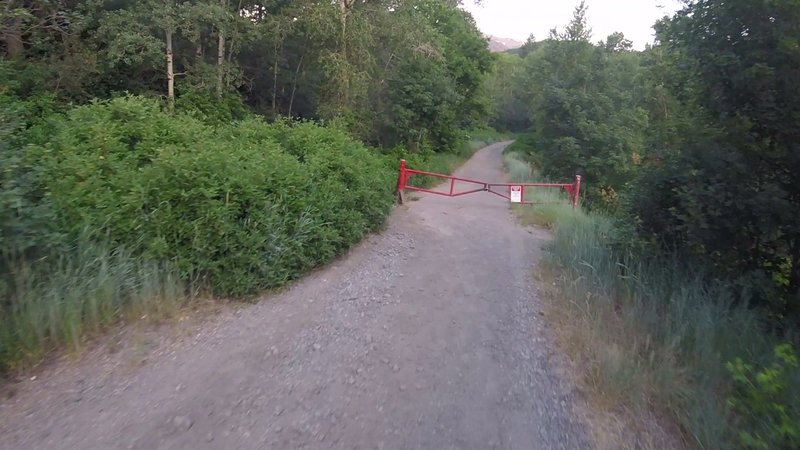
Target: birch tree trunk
[{"x": 170, "y": 71}]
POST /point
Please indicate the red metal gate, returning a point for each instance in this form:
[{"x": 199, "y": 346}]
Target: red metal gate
[{"x": 573, "y": 189}]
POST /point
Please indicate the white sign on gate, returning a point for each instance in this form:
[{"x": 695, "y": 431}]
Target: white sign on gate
[{"x": 516, "y": 194}]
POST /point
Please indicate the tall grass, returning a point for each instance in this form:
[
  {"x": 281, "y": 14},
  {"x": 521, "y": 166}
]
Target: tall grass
[
  {"x": 649, "y": 333},
  {"x": 57, "y": 301},
  {"x": 517, "y": 168}
]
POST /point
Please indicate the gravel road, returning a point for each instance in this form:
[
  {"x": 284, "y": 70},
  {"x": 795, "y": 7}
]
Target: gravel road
[{"x": 427, "y": 335}]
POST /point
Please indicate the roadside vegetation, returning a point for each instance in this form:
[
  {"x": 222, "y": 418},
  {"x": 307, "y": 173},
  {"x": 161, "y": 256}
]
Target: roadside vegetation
[
  {"x": 676, "y": 288},
  {"x": 155, "y": 152}
]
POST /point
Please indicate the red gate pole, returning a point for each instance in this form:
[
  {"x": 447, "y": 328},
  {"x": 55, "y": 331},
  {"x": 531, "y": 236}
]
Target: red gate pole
[
  {"x": 576, "y": 191},
  {"x": 401, "y": 181}
]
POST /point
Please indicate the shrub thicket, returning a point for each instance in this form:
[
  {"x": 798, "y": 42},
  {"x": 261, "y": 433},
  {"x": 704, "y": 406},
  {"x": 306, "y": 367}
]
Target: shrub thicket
[
  {"x": 244, "y": 206},
  {"x": 117, "y": 204}
]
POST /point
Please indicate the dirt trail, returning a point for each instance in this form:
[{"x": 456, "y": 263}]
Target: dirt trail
[{"x": 427, "y": 335}]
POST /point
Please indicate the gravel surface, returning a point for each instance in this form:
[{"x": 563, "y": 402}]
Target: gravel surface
[{"x": 427, "y": 335}]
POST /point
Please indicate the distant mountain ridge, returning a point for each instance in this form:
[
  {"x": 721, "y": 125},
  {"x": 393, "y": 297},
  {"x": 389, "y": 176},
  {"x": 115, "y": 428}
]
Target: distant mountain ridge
[{"x": 498, "y": 44}]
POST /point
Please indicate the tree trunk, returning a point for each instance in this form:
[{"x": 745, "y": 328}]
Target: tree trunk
[
  {"x": 221, "y": 55},
  {"x": 170, "y": 72},
  {"x": 12, "y": 38},
  {"x": 220, "y": 64}
]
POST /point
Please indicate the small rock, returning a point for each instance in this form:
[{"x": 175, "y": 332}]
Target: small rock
[
  {"x": 209, "y": 437},
  {"x": 395, "y": 368},
  {"x": 317, "y": 346},
  {"x": 182, "y": 423}
]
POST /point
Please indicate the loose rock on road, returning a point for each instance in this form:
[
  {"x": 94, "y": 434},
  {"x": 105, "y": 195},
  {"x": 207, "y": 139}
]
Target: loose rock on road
[{"x": 426, "y": 335}]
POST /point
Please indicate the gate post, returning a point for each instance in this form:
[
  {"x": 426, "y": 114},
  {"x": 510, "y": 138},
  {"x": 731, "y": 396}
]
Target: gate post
[
  {"x": 576, "y": 191},
  {"x": 401, "y": 181}
]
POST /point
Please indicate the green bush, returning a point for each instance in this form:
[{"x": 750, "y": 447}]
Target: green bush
[
  {"x": 118, "y": 207},
  {"x": 242, "y": 207},
  {"x": 766, "y": 415},
  {"x": 210, "y": 108}
]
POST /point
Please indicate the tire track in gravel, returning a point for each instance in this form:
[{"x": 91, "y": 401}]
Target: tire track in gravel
[{"x": 426, "y": 335}]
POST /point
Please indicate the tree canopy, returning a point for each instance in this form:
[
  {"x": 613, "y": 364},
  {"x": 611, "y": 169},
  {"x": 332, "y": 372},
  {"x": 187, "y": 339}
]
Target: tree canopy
[{"x": 398, "y": 72}]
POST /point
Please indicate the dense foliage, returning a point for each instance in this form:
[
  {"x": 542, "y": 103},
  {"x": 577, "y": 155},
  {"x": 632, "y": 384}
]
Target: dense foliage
[
  {"x": 688, "y": 149},
  {"x": 730, "y": 196},
  {"x": 116, "y": 204},
  {"x": 394, "y": 71},
  {"x": 692, "y": 142},
  {"x": 245, "y": 206}
]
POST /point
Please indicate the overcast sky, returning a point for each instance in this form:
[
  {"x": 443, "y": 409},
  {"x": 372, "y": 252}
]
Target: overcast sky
[{"x": 517, "y": 19}]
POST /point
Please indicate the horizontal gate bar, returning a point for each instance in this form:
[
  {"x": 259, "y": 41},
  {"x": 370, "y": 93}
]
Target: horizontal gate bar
[{"x": 573, "y": 189}]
